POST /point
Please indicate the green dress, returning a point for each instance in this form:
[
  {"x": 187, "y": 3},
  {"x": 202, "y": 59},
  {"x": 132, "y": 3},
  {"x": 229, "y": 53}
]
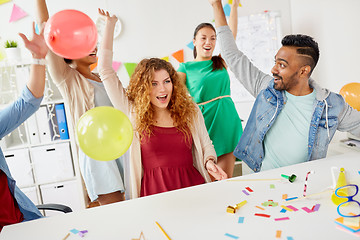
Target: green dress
[{"x": 221, "y": 118}]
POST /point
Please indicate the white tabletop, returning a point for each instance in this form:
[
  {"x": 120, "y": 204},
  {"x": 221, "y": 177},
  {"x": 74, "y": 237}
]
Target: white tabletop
[{"x": 200, "y": 212}]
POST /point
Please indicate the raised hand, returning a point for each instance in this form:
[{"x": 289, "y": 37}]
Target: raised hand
[
  {"x": 36, "y": 45},
  {"x": 106, "y": 16}
]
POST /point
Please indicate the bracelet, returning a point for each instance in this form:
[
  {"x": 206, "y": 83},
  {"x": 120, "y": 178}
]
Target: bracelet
[{"x": 38, "y": 61}]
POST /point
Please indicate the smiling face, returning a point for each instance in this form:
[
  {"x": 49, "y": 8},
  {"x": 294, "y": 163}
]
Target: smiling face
[
  {"x": 204, "y": 42},
  {"x": 161, "y": 89},
  {"x": 288, "y": 70}
]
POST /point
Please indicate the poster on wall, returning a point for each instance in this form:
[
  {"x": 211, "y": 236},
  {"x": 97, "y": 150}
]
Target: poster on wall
[{"x": 259, "y": 38}]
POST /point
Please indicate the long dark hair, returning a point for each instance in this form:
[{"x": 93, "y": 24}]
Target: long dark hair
[{"x": 218, "y": 61}]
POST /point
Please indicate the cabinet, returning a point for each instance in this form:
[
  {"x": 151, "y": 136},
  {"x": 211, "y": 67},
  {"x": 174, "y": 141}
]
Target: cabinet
[{"x": 41, "y": 153}]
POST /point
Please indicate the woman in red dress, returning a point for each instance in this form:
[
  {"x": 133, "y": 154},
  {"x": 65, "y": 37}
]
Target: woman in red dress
[{"x": 171, "y": 148}]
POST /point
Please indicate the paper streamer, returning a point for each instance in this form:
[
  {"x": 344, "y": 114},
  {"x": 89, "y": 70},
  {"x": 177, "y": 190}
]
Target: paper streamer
[
  {"x": 17, "y": 13},
  {"x": 281, "y": 219}
]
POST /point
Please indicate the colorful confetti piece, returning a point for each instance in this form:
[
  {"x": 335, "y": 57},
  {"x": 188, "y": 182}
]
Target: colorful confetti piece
[
  {"x": 241, "y": 220},
  {"x": 281, "y": 219},
  {"x": 245, "y": 192},
  {"x": 262, "y": 215},
  {"x": 231, "y": 236}
]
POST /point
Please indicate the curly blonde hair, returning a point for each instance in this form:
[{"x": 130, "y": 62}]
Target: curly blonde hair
[{"x": 181, "y": 105}]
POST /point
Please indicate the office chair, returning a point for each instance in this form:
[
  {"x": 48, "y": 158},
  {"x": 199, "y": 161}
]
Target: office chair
[{"x": 54, "y": 207}]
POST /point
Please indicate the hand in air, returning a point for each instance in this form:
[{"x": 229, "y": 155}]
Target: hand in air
[
  {"x": 36, "y": 45},
  {"x": 106, "y": 16}
]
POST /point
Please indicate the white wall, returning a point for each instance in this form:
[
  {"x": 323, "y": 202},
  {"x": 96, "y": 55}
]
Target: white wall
[{"x": 335, "y": 26}]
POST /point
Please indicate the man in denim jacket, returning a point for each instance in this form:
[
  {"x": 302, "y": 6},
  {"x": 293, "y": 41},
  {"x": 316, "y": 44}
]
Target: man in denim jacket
[
  {"x": 15, "y": 206},
  {"x": 293, "y": 119}
]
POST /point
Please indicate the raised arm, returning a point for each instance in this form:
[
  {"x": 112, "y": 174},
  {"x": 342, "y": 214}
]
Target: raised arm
[
  {"x": 58, "y": 68},
  {"x": 233, "y": 19},
  {"x": 38, "y": 49},
  {"x": 29, "y": 101},
  {"x": 108, "y": 76},
  {"x": 248, "y": 74}
]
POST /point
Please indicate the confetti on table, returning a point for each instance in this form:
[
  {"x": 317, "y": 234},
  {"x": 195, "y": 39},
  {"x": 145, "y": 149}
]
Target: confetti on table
[
  {"x": 262, "y": 215},
  {"x": 292, "y": 208},
  {"x": 270, "y": 203},
  {"x": 249, "y": 189},
  {"x": 260, "y": 208},
  {"x": 286, "y": 208},
  {"x": 283, "y": 210},
  {"x": 82, "y": 233},
  {"x": 245, "y": 192},
  {"x": 316, "y": 207},
  {"x": 272, "y": 186},
  {"x": 278, "y": 234},
  {"x": 288, "y": 199},
  {"x": 241, "y": 220},
  {"x": 307, "y": 210},
  {"x": 74, "y": 231},
  {"x": 289, "y": 238},
  {"x": 281, "y": 219},
  {"x": 232, "y": 236},
  {"x": 284, "y": 196}
]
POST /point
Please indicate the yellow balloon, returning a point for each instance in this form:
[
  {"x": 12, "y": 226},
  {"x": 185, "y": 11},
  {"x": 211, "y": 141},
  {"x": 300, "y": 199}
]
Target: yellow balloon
[
  {"x": 351, "y": 94},
  {"x": 104, "y": 133}
]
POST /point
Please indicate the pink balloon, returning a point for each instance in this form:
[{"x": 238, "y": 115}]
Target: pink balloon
[{"x": 71, "y": 34}]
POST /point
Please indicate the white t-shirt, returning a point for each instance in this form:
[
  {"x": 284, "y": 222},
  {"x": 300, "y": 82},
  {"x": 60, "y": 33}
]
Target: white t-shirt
[{"x": 286, "y": 142}]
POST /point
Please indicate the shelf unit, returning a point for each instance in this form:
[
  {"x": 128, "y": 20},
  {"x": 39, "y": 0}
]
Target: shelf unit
[{"x": 44, "y": 166}]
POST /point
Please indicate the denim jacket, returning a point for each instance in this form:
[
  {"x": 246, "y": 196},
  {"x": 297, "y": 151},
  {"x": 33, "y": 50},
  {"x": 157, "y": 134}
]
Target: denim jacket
[
  {"x": 10, "y": 118},
  {"x": 330, "y": 112}
]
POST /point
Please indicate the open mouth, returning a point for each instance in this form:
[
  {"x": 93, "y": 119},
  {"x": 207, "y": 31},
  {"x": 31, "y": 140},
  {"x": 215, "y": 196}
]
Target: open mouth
[
  {"x": 162, "y": 98},
  {"x": 277, "y": 78},
  {"x": 207, "y": 48}
]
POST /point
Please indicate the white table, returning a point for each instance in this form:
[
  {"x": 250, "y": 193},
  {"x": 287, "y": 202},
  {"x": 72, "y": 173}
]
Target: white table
[{"x": 200, "y": 212}]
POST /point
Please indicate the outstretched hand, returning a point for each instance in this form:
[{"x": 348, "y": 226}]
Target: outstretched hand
[
  {"x": 106, "y": 16},
  {"x": 215, "y": 171},
  {"x": 36, "y": 45}
]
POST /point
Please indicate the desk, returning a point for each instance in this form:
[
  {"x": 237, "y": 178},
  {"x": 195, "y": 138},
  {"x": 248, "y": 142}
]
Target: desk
[{"x": 200, "y": 212}]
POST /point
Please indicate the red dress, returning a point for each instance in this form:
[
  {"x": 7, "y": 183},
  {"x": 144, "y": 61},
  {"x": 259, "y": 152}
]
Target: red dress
[
  {"x": 9, "y": 209},
  {"x": 167, "y": 162}
]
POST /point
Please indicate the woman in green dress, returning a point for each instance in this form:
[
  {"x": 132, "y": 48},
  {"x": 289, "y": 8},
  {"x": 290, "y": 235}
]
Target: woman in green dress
[{"x": 208, "y": 83}]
